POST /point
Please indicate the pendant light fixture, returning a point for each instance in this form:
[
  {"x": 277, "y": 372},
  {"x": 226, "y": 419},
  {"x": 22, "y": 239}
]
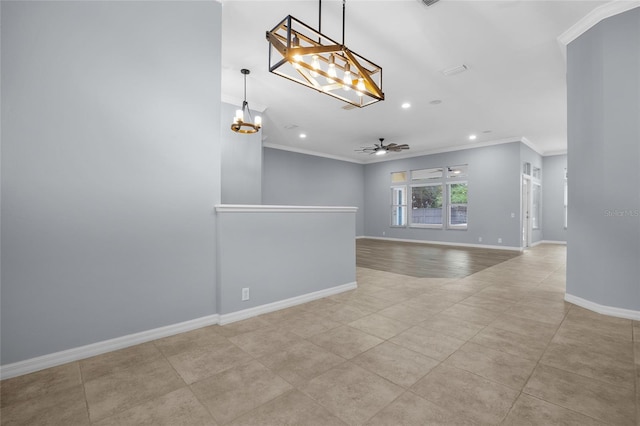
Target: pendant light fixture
[
  {"x": 301, "y": 54},
  {"x": 239, "y": 125}
]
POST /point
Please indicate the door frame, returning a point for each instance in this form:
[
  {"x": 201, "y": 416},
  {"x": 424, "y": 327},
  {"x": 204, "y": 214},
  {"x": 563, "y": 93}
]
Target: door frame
[{"x": 526, "y": 200}]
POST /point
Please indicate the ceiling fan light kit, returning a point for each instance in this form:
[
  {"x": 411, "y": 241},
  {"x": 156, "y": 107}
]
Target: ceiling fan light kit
[
  {"x": 302, "y": 54},
  {"x": 239, "y": 125}
]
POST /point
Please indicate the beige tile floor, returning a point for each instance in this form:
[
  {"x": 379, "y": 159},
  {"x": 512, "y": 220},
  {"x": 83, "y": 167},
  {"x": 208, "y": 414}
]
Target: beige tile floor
[{"x": 498, "y": 347}]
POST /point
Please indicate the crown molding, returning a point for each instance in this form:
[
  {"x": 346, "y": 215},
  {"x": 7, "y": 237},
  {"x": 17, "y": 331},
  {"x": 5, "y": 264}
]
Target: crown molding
[
  {"x": 310, "y": 152},
  {"x": 556, "y": 152},
  {"x": 451, "y": 149},
  {"x": 402, "y": 156},
  {"x": 604, "y": 11}
]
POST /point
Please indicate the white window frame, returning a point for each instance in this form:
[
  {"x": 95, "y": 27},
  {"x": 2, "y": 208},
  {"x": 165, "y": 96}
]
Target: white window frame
[
  {"x": 442, "y": 216},
  {"x": 536, "y": 208},
  {"x": 460, "y": 227},
  {"x": 402, "y": 208}
]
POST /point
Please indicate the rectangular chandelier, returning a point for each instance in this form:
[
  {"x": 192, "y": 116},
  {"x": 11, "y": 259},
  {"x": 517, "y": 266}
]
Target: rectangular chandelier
[{"x": 306, "y": 56}]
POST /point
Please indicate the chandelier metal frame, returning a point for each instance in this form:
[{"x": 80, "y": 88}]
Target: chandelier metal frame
[
  {"x": 239, "y": 125},
  {"x": 305, "y": 55}
]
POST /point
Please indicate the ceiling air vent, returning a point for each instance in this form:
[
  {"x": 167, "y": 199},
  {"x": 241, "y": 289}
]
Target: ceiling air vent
[
  {"x": 349, "y": 107},
  {"x": 455, "y": 70},
  {"x": 429, "y": 2}
]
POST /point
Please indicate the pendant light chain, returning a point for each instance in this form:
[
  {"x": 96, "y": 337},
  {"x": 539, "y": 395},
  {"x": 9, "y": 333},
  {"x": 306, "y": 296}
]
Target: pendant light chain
[{"x": 343, "y": 15}]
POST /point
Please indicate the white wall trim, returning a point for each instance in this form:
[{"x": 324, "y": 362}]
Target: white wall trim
[
  {"x": 604, "y": 11},
  {"x": 602, "y": 309},
  {"x": 379, "y": 159},
  {"x": 598, "y": 14},
  {"x": 445, "y": 243},
  {"x": 310, "y": 152},
  {"x": 286, "y": 303},
  {"x": 58, "y": 358},
  {"x": 559, "y": 242},
  {"x": 442, "y": 150},
  {"x": 242, "y": 208},
  {"x": 554, "y": 153}
]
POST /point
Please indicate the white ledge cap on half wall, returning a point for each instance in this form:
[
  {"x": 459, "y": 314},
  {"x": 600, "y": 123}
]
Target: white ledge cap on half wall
[{"x": 257, "y": 208}]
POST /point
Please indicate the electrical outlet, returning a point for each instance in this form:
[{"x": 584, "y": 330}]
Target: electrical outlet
[
  {"x": 384, "y": 233},
  {"x": 513, "y": 215},
  {"x": 245, "y": 293},
  {"x": 479, "y": 239},
  {"x": 499, "y": 242}
]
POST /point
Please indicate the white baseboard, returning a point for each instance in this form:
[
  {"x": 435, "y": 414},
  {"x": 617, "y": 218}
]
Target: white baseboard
[
  {"x": 444, "y": 243},
  {"x": 562, "y": 243},
  {"x": 58, "y": 358},
  {"x": 286, "y": 303},
  {"x": 602, "y": 309}
]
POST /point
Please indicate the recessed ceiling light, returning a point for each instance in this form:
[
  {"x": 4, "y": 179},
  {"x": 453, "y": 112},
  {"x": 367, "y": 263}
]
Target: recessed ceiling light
[
  {"x": 406, "y": 105},
  {"x": 472, "y": 137},
  {"x": 435, "y": 102},
  {"x": 303, "y": 135}
]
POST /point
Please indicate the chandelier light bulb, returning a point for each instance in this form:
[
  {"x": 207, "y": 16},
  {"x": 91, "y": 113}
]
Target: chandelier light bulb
[
  {"x": 315, "y": 64},
  {"x": 239, "y": 116},
  {"x": 347, "y": 80},
  {"x": 360, "y": 84},
  {"x": 332, "y": 73},
  {"x": 258, "y": 121}
]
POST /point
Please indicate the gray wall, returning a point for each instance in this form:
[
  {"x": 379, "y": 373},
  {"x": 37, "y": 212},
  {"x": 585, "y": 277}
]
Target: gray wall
[
  {"x": 110, "y": 169},
  {"x": 553, "y": 198},
  {"x": 314, "y": 251},
  {"x": 290, "y": 178},
  {"x": 603, "y": 238},
  {"x": 241, "y": 161},
  {"x": 494, "y": 193}
]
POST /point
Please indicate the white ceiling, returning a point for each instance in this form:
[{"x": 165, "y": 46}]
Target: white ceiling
[{"x": 514, "y": 88}]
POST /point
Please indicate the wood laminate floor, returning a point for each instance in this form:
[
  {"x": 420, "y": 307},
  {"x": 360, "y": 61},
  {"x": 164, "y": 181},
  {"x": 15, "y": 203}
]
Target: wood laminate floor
[{"x": 427, "y": 260}]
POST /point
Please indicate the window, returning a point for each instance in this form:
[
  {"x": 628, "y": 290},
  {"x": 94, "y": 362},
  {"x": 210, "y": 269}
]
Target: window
[
  {"x": 426, "y": 205},
  {"x": 457, "y": 205},
  {"x": 426, "y": 174},
  {"x": 398, "y": 199},
  {"x": 535, "y": 206},
  {"x": 457, "y": 172},
  {"x": 439, "y": 197},
  {"x": 399, "y": 205},
  {"x": 398, "y": 177},
  {"x": 537, "y": 173}
]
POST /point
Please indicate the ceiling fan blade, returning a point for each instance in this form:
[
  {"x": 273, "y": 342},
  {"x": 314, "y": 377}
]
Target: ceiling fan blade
[
  {"x": 392, "y": 145},
  {"x": 403, "y": 146}
]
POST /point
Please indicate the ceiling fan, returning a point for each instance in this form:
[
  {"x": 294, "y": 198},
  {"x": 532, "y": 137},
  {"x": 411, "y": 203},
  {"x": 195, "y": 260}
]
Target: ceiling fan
[{"x": 381, "y": 148}]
